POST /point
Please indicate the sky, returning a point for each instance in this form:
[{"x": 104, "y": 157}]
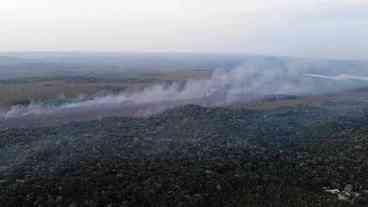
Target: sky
[{"x": 306, "y": 28}]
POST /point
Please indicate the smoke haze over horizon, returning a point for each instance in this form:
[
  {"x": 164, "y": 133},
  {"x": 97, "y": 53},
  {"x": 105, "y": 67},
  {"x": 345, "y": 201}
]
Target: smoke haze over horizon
[{"x": 244, "y": 83}]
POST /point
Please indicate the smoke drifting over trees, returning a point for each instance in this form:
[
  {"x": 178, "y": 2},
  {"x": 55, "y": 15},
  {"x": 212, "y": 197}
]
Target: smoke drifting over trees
[{"x": 249, "y": 81}]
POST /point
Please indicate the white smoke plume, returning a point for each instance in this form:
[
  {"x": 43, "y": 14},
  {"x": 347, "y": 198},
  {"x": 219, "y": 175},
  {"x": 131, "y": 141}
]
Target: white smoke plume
[
  {"x": 340, "y": 77},
  {"x": 243, "y": 83}
]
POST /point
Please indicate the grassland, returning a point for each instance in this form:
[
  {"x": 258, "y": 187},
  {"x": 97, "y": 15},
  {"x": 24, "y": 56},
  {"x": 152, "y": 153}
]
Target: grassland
[{"x": 25, "y": 90}]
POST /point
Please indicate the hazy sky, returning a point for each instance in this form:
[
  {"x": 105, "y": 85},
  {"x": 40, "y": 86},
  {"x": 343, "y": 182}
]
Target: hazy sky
[{"x": 311, "y": 28}]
